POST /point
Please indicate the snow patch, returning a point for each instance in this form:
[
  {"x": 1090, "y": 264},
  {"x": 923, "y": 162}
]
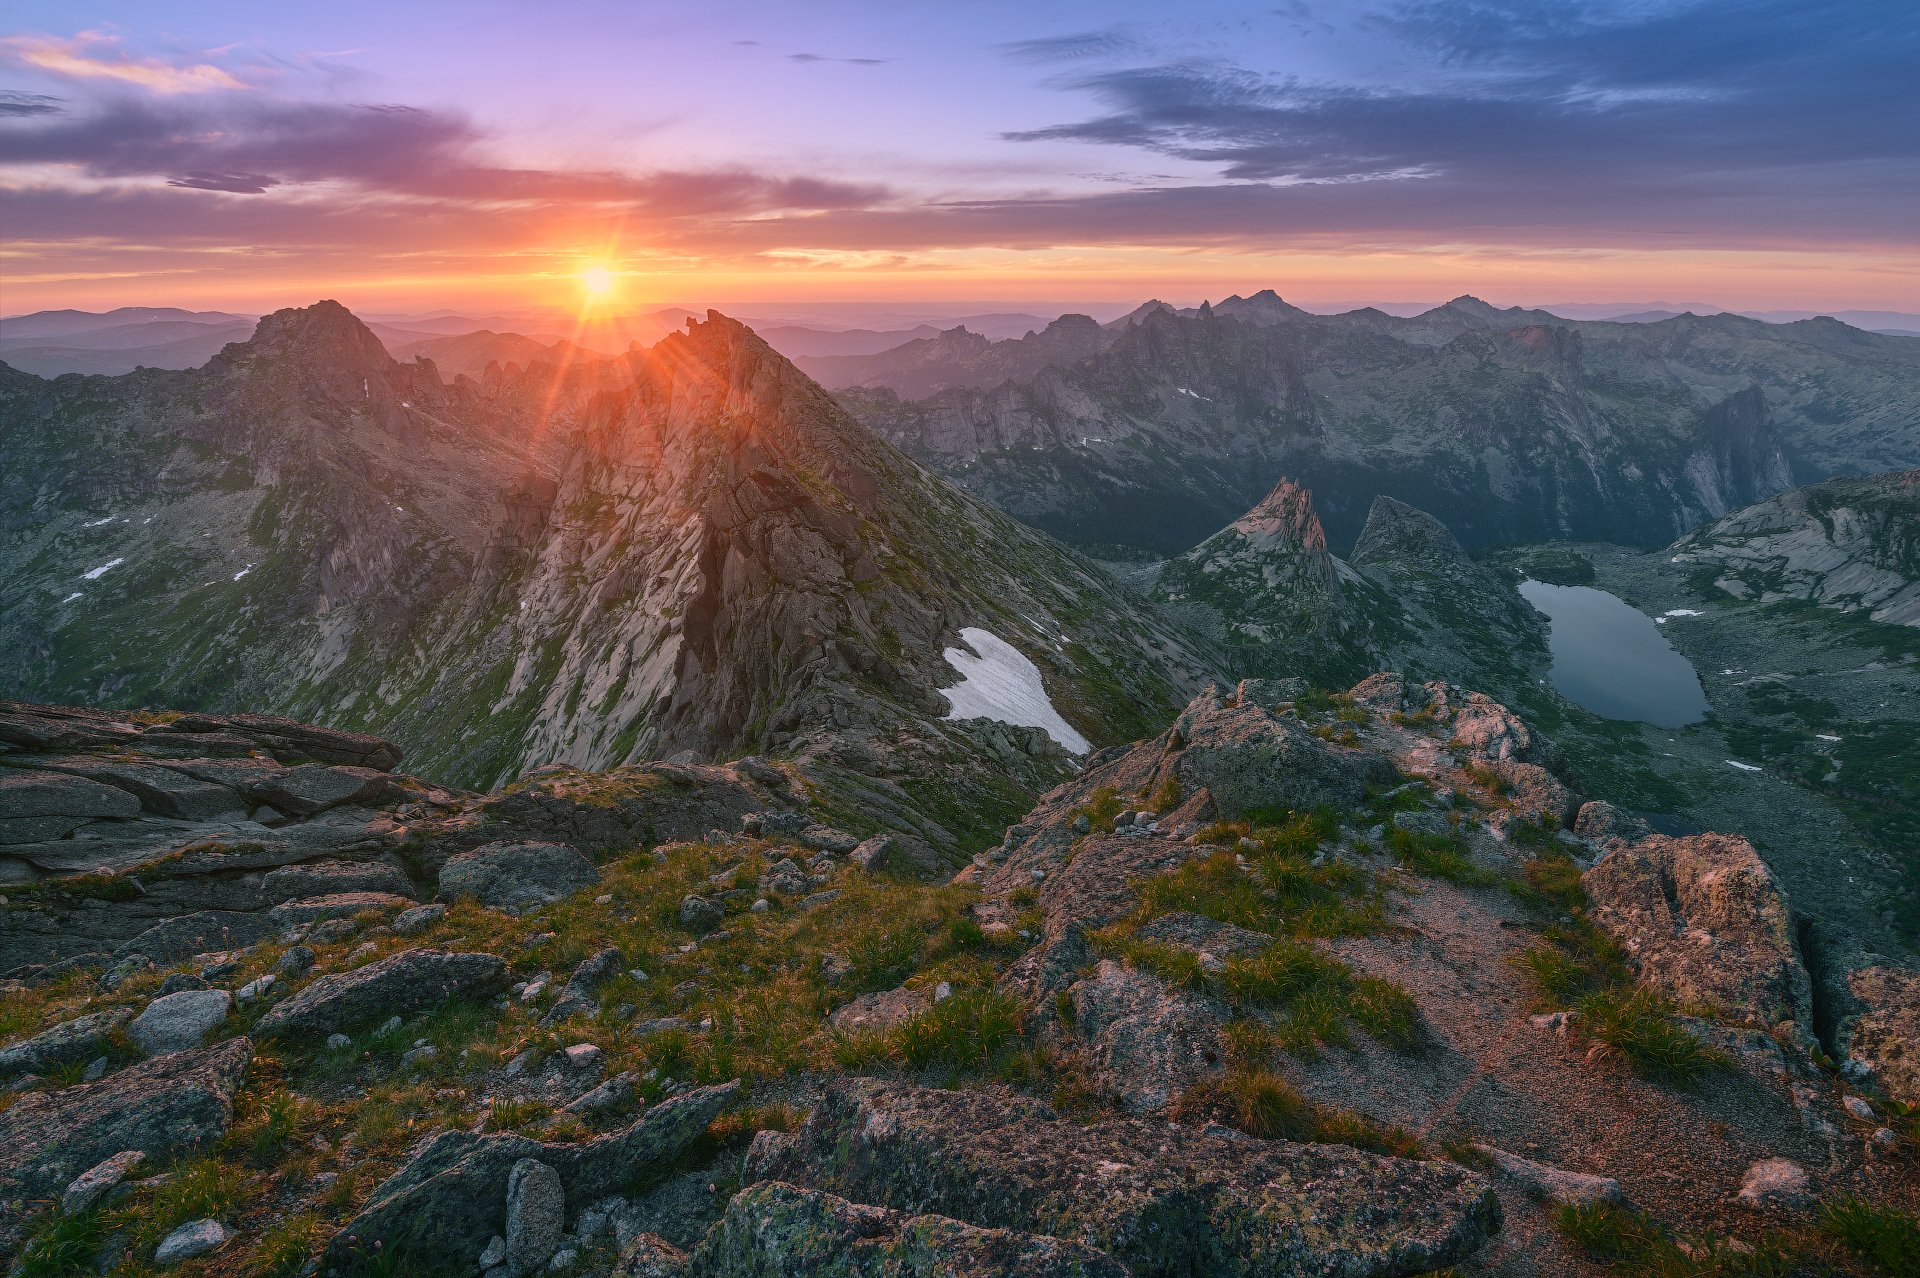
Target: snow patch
[
  {"x": 70, "y": 598},
  {"x": 96, "y": 523},
  {"x": 94, "y": 574},
  {"x": 998, "y": 682},
  {"x": 1825, "y": 737},
  {"x": 1744, "y": 767},
  {"x": 243, "y": 572},
  {"x": 1679, "y": 612}
]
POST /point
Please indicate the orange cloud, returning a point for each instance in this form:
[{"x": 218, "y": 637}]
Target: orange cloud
[{"x": 94, "y": 55}]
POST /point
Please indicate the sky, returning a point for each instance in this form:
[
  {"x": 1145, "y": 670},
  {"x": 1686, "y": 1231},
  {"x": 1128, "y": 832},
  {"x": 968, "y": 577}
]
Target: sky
[{"x": 1751, "y": 153}]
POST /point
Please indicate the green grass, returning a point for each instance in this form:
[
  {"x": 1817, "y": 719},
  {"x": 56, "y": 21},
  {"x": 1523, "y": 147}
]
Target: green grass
[
  {"x": 1886, "y": 1240},
  {"x": 1267, "y": 1106},
  {"x": 65, "y": 1245},
  {"x": 1438, "y": 856},
  {"x": 1641, "y": 1027}
]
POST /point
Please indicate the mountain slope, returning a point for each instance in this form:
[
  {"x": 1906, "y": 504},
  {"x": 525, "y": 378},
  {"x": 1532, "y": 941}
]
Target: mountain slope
[
  {"x": 1507, "y": 425},
  {"x": 961, "y": 358},
  {"x": 1852, "y": 544},
  {"x": 691, "y": 548}
]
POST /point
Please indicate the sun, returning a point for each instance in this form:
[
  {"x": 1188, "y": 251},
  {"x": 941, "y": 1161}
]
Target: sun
[{"x": 597, "y": 280}]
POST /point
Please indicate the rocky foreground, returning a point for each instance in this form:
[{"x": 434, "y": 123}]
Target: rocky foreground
[{"x": 1306, "y": 984}]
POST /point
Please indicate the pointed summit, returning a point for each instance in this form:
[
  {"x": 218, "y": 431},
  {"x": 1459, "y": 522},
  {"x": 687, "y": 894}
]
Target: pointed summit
[
  {"x": 323, "y": 333},
  {"x": 1284, "y": 518},
  {"x": 1398, "y": 533}
]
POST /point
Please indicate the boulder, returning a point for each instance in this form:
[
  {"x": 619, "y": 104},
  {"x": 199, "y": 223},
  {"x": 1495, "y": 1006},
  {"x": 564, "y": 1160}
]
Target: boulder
[
  {"x": 1146, "y": 1042},
  {"x": 451, "y": 1198},
  {"x": 698, "y": 914},
  {"x": 1601, "y": 822},
  {"x": 418, "y": 919},
  {"x": 398, "y": 985},
  {"x": 1885, "y": 1036},
  {"x": 775, "y": 1228},
  {"x": 650, "y": 1256},
  {"x": 312, "y": 788},
  {"x": 1253, "y": 761},
  {"x": 195, "y": 1238},
  {"x": 325, "y": 878},
  {"x": 905, "y": 855},
  {"x": 203, "y": 932},
  {"x": 516, "y": 877},
  {"x": 1553, "y": 1184},
  {"x": 1705, "y": 924},
  {"x": 98, "y": 1179},
  {"x": 162, "y": 1107},
  {"x": 536, "y": 1216},
  {"x": 337, "y": 905},
  {"x": 879, "y": 1012},
  {"x": 176, "y": 1022},
  {"x": 159, "y": 790},
  {"x": 1776, "y": 1182},
  {"x": 69, "y": 1042},
  {"x": 1164, "y": 1200},
  {"x": 58, "y": 794}
]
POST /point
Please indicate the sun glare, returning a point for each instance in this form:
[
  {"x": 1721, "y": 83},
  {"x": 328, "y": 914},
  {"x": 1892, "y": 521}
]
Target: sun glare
[{"x": 597, "y": 280}]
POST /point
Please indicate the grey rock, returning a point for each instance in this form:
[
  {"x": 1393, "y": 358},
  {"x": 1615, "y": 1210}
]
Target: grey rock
[
  {"x": 177, "y": 939},
  {"x": 612, "y": 1094},
  {"x": 87, "y": 1188},
  {"x": 517, "y": 877},
  {"x": 825, "y": 838},
  {"x": 1555, "y": 1184},
  {"x": 494, "y": 1253},
  {"x": 338, "y": 1042},
  {"x": 418, "y": 919},
  {"x": 1601, "y": 822},
  {"x": 180, "y": 1021},
  {"x": 400, "y": 984},
  {"x": 66, "y": 1043},
  {"x": 650, "y": 1256},
  {"x": 326, "y": 878},
  {"x": 698, "y": 914},
  {"x": 1147, "y": 1042},
  {"x": 57, "y": 794},
  {"x": 195, "y": 1238},
  {"x": 451, "y": 1198},
  {"x": 775, "y": 1228},
  {"x": 536, "y": 1216},
  {"x": 1776, "y": 1182},
  {"x": 178, "y": 981},
  {"x": 1162, "y": 1199},
  {"x": 902, "y": 854},
  {"x": 312, "y": 788},
  {"x": 295, "y": 960},
  {"x": 339, "y": 905},
  {"x": 162, "y": 1107},
  {"x": 258, "y": 987},
  {"x": 1250, "y": 759},
  {"x": 1705, "y": 923}
]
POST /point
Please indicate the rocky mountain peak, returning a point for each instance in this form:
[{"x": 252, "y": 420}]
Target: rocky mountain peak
[
  {"x": 1285, "y": 517},
  {"x": 1395, "y": 531},
  {"x": 1468, "y": 304},
  {"x": 325, "y": 333}
]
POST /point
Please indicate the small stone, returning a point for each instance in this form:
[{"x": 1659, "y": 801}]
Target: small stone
[
  {"x": 417, "y": 1056},
  {"x": 698, "y": 914},
  {"x": 296, "y": 960},
  {"x": 564, "y": 1259},
  {"x": 1081, "y": 824},
  {"x": 1858, "y": 1107},
  {"x": 616, "y": 1091},
  {"x": 525, "y": 1061},
  {"x": 87, "y": 1188},
  {"x": 1776, "y": 1182},
  {"x": 605, "y": 898},
  {"x": 637, "y": 974},
  {"x": 494, "y": 1253},
  {"x": 418, "y": 919},
  {"x": 338, "y": 1042},
  {"x": 761, "y": 906},
  {"x": 254, "y": 989},
  {"x": 1884, "y": 1139},
  {"x": 195, "y": 1238},
  {"x": 95, "y": 1071},
  {"x": 389, "y": 1025},
  {"x": 1038, "y": 874},
  {"x": 1553, "y": 1022},
  {"x": 177, "y": 1022},
  {"x": 942, "y": 992},
  {"x": 181, "y": 981},
  {"x": 582, "y": 1056}
]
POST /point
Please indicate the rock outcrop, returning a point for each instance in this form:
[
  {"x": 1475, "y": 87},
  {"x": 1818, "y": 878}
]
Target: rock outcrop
[
  {"x": 163, "y": 1107},
  {"x": 1705, "y": 924},
  {"x": 1162, "y": 1199}
]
